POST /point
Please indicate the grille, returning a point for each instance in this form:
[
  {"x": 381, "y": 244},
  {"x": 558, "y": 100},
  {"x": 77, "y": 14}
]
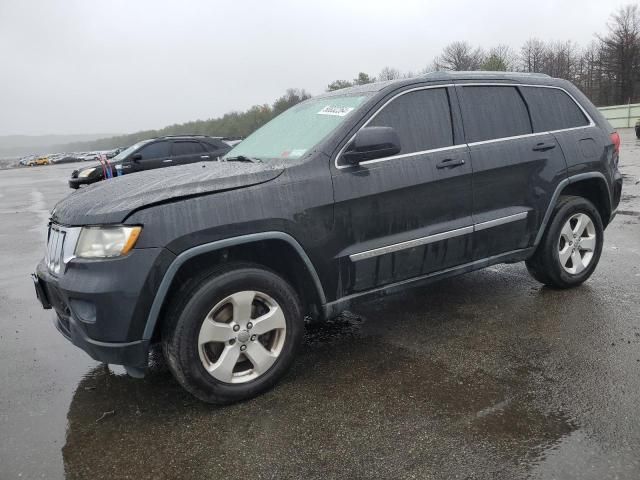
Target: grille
[{"x": 55, "y": 248}]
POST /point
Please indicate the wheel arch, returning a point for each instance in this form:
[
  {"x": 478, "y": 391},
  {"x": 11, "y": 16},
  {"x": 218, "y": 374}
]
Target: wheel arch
[
  {"x": 592, "y": 185},
  {"x": 260, "y": 248}
]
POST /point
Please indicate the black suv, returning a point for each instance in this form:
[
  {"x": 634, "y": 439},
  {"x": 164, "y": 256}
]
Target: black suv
[
  {"x": 155, "y": 153},
  {"x": 369, "y": 189}
]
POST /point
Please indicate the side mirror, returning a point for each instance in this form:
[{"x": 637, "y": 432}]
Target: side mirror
[
  {"x": 136, "y": 157},
  {"x": 371, "y": 143}
]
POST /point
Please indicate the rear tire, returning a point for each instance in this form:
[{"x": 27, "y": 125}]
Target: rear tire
[
  {"x": 571, "y": 245},
  {"x": 232, "y": 333}
]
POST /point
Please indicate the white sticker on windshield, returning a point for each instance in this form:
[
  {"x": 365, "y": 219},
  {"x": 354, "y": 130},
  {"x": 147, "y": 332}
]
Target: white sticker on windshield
[
  {"x": 298, "y": 152},
  {"x": 336, "y": 111}
]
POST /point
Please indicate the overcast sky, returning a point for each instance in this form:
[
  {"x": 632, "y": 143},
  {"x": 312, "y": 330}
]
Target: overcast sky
[{"x": 117, "y": 66}]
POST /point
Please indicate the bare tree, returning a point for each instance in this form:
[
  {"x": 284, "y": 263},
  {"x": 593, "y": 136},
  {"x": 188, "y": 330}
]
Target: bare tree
[
  {"x": 459, "y": 56},
  {"x": 532, "y": 55},
  {"x": 621, "y": 53},
  {"x": 388, "y": 73}
]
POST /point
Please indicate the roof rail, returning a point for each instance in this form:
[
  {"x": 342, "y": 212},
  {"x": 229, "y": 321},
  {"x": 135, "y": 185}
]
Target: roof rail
[
  {"x": 182, "y": 135},
  {"x": 486, "y": 72}
]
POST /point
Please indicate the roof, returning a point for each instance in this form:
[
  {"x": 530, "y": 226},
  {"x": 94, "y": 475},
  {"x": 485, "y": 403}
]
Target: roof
[{"x": 439, "y": 77}]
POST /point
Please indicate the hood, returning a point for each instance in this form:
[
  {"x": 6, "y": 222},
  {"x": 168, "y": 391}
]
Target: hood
[{"x": 112, "y": 201}]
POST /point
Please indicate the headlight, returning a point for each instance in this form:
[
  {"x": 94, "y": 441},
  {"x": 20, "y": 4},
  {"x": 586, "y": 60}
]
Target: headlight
[
  {"x": 86, "y": 173},
  {"x": 104, "y": 242}
]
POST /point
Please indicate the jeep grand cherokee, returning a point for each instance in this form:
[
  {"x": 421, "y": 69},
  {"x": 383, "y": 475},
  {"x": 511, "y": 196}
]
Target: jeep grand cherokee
[{"x": 374, "y": 188}]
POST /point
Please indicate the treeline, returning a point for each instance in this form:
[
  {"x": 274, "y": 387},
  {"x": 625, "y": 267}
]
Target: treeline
[
  {"x": 234, "y": 124},
  {"x": 607, "y": 70}
]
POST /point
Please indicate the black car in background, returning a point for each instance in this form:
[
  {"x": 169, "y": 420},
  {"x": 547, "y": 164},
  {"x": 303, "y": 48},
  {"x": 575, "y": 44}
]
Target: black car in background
[{"x": 156, "y": 153}]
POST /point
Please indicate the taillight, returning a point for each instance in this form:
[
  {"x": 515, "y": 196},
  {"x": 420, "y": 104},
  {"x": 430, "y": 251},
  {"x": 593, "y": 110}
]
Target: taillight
[{"x": 615, "y": 138}]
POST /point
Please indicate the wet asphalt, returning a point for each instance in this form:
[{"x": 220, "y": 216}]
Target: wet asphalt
[{"x": 486, "y": 375}]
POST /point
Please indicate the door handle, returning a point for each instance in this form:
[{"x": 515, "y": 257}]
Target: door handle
[
  {"x": 543, "y": 147},
  {"x": 449, "y": 163},
  {"x": 167, "y": 160}
]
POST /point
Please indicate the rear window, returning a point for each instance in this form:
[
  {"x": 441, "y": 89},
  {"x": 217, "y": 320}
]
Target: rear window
[
  {"x": 155, "y": 150},
  {"x": 186, "y": 148},
  {"x": 212, "y": 145},
  {"x": 422, "y": 120},
  {"x": 552, "y": 109},
  {"x": 491, "y": 112}
]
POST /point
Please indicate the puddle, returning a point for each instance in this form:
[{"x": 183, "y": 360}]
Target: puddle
[{"x": 577, "y": 452}]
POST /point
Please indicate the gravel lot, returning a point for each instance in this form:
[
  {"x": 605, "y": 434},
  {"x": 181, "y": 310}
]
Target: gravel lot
[{"x": 486, "y": 375}]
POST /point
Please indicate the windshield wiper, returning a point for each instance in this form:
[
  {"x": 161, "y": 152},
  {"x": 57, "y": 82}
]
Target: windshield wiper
[{"x": 242, "y": 158}]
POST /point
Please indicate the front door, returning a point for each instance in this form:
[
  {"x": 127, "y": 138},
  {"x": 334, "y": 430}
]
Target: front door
[
  {"x": 153, "y": 155},
  {"x": 408, "y": 215}
]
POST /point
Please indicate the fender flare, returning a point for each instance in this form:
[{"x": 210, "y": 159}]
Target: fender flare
[
  {"x": 558, "y": 192},
  {"x": 158, "y": 301}
]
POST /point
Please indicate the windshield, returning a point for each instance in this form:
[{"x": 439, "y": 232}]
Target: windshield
[
  {"x": 292, "y": 133},
  {"x": 125, "y": 153}
]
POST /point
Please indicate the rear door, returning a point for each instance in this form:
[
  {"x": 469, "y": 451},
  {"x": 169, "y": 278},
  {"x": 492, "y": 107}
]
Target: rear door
[
  {"x": 407, "y": 215},
  {"x": 554, "y": 110},
  {"x": 516, "y": 169},
  {"x": 187, "y": 151}
]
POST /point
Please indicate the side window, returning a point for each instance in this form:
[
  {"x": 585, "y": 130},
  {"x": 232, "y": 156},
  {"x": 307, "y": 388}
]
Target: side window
[
  {"x": 422, "y": 120},
  {"x": 494, "y": 112},
  {"x": 552, "y": 109},
  {"x": 154, "y": 150},
  {"x": 213, "y": 145},
  {"x": 186, "y": 148}
]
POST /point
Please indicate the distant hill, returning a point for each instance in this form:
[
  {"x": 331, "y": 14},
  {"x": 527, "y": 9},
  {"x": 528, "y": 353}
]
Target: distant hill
[
  {"x": 234, "y": 124},
  {"x": 18, "y": 145}
]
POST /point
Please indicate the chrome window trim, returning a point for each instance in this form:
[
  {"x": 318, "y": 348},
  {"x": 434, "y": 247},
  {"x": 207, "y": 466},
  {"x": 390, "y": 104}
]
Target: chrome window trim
[
  {"x": 405, "y": 155},
  {"x": 395, "y": 247},
  {"x": 442, "y": 149}
]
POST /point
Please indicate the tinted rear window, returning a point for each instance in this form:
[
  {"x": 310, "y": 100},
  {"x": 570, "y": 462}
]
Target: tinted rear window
[
  {"x": 215, "y": 145},
  {"x": 494, "y": 112},
  {"x": 186, "y": 148},
  {"x": 422, "y": 120},
  {"x": 155, "y": 150},
  {"x": 552, "y": 109}
]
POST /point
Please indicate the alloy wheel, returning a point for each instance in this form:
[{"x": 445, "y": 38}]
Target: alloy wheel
[
  {"x": 577, "y": 243},
  {"x": 242, "y": 337}
]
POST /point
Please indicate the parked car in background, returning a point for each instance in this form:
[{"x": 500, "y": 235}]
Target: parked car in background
[
  {"x": 638, "y": 129},
  {"x": 67, "y": 158},
  {"x": 155, "y": 153},
  {"x": 354, "y": 193},
  {"x": 24, "y": 161},
  {"x": 112, "y": 153},
  {"x": 87, "y": 156},
  {"x": 39, "y": 161}
]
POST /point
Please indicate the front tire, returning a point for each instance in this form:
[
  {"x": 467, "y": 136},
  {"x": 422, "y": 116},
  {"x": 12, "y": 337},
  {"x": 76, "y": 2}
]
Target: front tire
[
  {"x": 232, "y": 333},
  {"x": 571, "y": 246}
]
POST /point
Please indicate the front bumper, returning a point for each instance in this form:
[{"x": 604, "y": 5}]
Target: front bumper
[
  {"x": 78, "y": 182},
  {"x": 102, "y": 306}
]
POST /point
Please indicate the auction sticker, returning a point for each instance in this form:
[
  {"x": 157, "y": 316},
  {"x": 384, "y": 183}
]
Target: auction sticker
[{"x": 335, "y": 111}]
